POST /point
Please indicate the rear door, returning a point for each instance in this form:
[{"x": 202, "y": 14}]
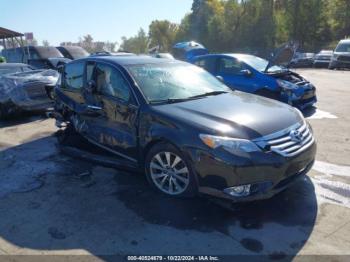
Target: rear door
[
  {"x": 71, "y": 86},
  {"x": 112, "y": 121}
]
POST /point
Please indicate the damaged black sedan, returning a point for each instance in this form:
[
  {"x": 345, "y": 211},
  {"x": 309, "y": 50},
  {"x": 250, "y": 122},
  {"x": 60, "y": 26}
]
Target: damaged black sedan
[{"x": 189, "y": 132}]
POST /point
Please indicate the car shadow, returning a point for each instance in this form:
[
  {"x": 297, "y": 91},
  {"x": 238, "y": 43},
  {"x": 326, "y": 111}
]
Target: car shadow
[
  {"x": 23, "y": 118},
  {"x": 59, "y": 203}
]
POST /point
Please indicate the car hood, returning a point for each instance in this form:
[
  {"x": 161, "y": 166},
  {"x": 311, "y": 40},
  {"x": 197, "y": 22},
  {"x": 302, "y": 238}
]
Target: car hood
[
  {"x": 342, "y": 53},
  {"x": 235, "y": 114},
  {"x": 282, "y": 56}
]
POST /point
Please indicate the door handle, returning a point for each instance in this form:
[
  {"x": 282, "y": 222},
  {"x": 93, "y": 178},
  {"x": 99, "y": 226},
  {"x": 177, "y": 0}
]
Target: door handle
[{"x": 96, "y": 108}]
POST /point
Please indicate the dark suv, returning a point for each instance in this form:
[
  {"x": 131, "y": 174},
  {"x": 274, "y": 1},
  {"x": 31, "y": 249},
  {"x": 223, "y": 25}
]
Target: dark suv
[{"x": 189, "y": 132}]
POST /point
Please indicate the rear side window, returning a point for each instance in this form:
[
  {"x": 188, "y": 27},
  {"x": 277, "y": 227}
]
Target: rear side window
[
  {"x": 73, "y": 75},
  {"x": 207, "y": 63},
  {"x": 110, "y": 82}
]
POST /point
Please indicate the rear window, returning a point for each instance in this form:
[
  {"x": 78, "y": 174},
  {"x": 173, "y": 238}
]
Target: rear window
[
  {"x": 208, "y": 63},
  {"x": 77, "y": 52},
  {"x": 73, "y": 75},
  {"x": 48, "y": 52}
]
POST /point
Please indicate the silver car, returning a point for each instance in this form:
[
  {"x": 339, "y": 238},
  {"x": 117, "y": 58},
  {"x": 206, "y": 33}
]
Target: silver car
[{"x": 341, "y": 55}]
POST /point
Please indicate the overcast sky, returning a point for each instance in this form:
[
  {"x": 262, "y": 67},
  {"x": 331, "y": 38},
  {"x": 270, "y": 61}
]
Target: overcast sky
[{"x": 106, "y": 20}]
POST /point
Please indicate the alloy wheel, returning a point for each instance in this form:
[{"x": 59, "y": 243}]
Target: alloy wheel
[{"x": 169, "y": 173}]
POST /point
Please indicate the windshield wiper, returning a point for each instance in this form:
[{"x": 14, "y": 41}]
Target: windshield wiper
[
  {"x": 213, "y": 93},
  {"x": 176, "y": 100},
  {"x": 169, "y": 100}
]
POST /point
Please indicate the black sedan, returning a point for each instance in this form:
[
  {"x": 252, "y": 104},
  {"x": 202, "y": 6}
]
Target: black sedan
[{"x": 189, "y": 132}]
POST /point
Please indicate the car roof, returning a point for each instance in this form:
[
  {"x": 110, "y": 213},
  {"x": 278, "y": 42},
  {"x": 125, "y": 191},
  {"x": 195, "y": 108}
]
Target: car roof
[
  {"x": 345, "y": 41},
  {"x": 8, "y": 65},
  {"x": 131, "y": 60},
  {"x": 235, "y": 55}
]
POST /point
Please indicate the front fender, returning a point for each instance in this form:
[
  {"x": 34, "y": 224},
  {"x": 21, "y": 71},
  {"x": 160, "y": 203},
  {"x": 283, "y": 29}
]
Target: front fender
[{"x": 154, "y": 129}]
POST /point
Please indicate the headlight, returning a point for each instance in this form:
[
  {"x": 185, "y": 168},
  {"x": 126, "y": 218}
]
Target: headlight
[
  {"x": 231, "y": 145},
  {"x": 286, "y": 85}
]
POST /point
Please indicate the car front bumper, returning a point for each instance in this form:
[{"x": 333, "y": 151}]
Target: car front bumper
[
  {"x": 339, "y": 64},
  {"x": 321, "y": 63},
  {"x": 301, "y": 99},
  {"x": 268, "y": 173}
]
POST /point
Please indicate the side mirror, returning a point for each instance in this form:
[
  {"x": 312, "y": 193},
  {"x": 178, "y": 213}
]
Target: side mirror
[
  {"x": 220, "y": 78},
  {"x": 91, "y": 87},
  {"x": 246, "y": 72}
]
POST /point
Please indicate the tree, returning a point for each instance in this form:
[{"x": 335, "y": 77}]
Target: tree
[
  {"x": 137, "y": 44},
  {"x": 162, "y": 34},
  {"x": 87, "y": 43},
  {"x": 339, "y": 12},
  {"x": 46, "y": 43}
]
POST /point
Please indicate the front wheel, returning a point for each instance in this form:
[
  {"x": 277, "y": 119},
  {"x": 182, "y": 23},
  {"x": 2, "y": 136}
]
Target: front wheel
[{"x": 169, "y": 172}]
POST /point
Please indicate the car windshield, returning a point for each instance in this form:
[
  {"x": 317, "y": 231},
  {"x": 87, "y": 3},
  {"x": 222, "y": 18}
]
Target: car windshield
[
  {"x": 175, "y": 81},
  {"x": 13, "y": 69},
  {"x": 258, "y": 63},
  {"x": 343, "y": 47}
]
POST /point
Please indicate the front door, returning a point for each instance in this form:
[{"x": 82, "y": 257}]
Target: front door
[
  {"x": 112, "y": 110},
  {"x": 230, "y": 69}
]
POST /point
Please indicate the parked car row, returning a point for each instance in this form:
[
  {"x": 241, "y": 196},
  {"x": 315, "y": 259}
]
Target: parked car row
[
  {"x": 339, "y": 58},
  {"x": 42, "y": 57}
]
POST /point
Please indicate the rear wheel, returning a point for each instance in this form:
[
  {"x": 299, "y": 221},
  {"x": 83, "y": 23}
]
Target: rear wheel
[{"x": 169, "y": 172}]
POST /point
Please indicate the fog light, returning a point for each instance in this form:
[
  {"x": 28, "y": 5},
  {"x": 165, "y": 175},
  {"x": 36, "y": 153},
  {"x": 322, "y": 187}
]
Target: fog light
[{"x": 238, "y": 191}]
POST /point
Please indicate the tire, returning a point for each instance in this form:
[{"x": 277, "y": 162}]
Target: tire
[{"x": 169, "y": 172}]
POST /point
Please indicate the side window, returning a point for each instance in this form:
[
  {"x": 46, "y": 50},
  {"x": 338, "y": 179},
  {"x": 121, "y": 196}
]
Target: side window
[
  {"x": 200, "y": 62},
  {"x": 229, "y": 66},
  {"x": 110, "y": 82},
  {"x": 34, "y": 54},
  {"x": 207, "y": 64},
  {"x": 73, "y": 75}
]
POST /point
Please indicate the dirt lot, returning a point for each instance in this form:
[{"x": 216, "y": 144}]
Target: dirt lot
[{"x": 51, "y": 203}]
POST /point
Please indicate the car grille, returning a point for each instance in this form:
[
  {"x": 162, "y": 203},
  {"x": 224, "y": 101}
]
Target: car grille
[
  {"x": 286, "y": 144},
  {"x": 344, "y": 58},
  {"x": 326, "y": 58}
]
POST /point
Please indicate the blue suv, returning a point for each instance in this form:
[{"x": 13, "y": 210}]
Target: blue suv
[{"x": 256, "y": 75}]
